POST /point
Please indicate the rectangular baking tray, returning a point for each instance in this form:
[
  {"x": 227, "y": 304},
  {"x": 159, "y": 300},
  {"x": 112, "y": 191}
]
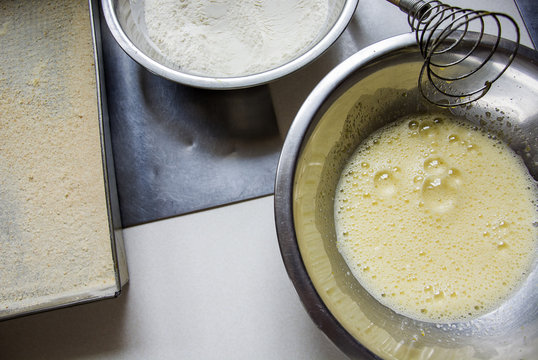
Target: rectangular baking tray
[{"x": 113, "y": 211}]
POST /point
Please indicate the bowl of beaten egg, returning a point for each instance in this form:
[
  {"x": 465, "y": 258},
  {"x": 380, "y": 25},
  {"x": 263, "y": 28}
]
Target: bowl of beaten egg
[{"x": 410, "y": 231}]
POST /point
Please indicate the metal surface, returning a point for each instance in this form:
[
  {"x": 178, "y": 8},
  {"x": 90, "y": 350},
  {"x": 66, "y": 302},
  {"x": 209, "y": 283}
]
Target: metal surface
[
  {"x": 179, "y": 149},
  {"x": 159, "y": 177},
  {"x": 455, "y": 71},
  {"x": 111, "y": 190},
  {"x": 381, "y": 73},
  {"x": 126, "y": 22},
  {"x": 529, "y": 11}
]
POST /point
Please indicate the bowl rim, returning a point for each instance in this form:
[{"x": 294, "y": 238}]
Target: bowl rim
[{"x": 223, "y": 83}]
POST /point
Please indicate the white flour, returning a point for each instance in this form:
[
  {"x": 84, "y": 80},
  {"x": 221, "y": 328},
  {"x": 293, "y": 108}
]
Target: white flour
[{"x": 231, "y": 38}]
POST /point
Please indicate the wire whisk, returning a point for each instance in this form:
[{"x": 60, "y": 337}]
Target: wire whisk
[{"x": 462, "y": 56}]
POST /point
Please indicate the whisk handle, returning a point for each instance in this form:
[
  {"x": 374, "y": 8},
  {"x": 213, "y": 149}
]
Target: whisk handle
[{"x": 415, "y": 8}]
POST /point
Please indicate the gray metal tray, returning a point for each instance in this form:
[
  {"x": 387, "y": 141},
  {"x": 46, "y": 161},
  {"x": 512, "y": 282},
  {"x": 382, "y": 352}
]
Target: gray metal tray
[{"x": 84, "y": 293}]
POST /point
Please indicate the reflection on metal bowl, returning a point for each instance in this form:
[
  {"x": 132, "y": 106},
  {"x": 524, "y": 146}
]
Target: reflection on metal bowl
[
  {"x": 126, "y": 22},
  {"x": 365, "y": 92}
]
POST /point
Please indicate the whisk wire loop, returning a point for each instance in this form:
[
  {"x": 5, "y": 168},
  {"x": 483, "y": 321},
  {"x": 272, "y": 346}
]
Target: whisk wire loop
[
  {"x": 445, "y": 35},
  {"x": 456, "y": 67}
]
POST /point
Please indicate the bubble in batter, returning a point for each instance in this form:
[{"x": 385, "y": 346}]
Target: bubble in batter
[{"x": 438, "y": 219}]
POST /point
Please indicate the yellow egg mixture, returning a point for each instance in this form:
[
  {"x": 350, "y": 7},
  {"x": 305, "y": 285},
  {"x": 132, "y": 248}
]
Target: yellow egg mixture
[{"x": 436, "y": 219}]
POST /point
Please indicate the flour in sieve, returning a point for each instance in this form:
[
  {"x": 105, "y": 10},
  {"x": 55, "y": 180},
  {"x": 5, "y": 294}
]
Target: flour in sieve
[{"x": 231, "y": 38}]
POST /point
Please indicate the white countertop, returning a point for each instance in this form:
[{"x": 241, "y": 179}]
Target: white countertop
[{"x": 209, "y": 285}]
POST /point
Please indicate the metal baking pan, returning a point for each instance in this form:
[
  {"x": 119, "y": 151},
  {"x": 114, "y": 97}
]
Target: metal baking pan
[{"x": 17, "y": 296}]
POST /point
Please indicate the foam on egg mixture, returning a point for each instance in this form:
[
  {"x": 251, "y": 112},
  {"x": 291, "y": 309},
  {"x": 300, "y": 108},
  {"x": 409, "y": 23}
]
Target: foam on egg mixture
[{"x": 436, "y": 219}]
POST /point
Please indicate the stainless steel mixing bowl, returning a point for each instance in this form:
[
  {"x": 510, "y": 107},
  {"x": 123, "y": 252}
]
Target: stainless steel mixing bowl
[
  {"x": 125, "y": 19},
  {"x": 370, "y": 89}
]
